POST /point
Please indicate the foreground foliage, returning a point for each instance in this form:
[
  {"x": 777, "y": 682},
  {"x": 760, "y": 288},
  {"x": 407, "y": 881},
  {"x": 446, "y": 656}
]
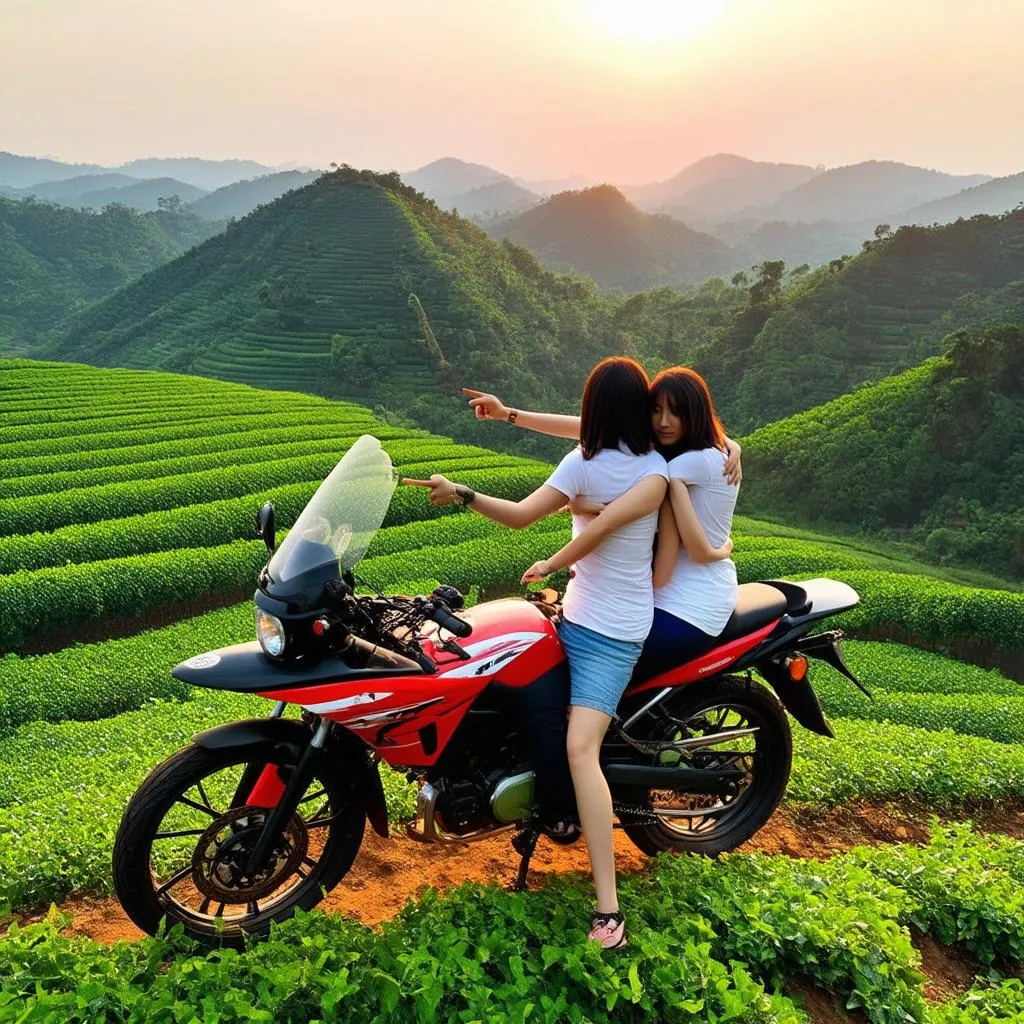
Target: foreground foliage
[{"x": 710, "y": 941}]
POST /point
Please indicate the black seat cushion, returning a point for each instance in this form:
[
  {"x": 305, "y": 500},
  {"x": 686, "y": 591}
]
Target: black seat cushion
[{"x": 758, "y": 605}]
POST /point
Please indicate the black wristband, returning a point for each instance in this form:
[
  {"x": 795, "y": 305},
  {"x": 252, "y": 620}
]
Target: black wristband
[
  {"x": 466, "y": 495},
  {"x": 512, "y": 416}
]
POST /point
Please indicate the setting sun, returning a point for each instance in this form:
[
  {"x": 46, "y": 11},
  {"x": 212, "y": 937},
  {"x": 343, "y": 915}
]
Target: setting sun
[{"x": 650, "y": 20}]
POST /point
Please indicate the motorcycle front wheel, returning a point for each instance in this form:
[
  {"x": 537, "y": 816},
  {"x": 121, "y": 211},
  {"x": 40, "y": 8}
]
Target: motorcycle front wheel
[
  {"x": 733, "y": 724},
  {"x": 181, "y": 850}
]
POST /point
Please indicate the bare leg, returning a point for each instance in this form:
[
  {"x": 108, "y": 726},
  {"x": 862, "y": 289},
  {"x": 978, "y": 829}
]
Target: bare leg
[{"x": 593, "y": 799}]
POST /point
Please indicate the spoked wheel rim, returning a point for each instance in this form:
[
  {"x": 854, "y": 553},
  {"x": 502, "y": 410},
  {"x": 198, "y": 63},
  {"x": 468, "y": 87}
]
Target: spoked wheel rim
[
  {"x": 698, "y": 816},
  {"x": 200, "y": 847}
]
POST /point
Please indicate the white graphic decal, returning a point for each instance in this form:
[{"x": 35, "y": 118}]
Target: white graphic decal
[
  {"x": 346, "y": 702},
  {"x": 487, "y": 655},
  {"x": 714, "y": 665}
]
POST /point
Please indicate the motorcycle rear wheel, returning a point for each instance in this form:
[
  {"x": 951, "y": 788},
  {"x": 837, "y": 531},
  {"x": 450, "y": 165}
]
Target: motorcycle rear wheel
[
  {"x": 181, "y": 847},
  {"x": 709, "y": 824}
]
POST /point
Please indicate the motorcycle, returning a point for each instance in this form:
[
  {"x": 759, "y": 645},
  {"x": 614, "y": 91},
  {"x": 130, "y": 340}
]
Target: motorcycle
[{"x": 256, "y": 818}]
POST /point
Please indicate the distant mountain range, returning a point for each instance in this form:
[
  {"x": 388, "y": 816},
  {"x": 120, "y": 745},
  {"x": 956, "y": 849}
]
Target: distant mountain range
[
  {"x": 871, "y": 190},
  {"x": 597, "y": 232},
  {"x": 996, "y": 196},
  {"x": 795, "y": 212},
  {"x": 25, "y": 171},
  {"x": 242, "y": 197},
  {"x": 719, "y": 185}
]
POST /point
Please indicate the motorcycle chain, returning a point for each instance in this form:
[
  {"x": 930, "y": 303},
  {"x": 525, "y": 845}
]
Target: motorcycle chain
[{"x": 631, "y": 814}]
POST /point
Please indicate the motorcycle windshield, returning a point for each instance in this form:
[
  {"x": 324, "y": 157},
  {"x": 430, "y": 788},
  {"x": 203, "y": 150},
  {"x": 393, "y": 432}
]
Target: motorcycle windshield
[{"x": 334, "y": 530}]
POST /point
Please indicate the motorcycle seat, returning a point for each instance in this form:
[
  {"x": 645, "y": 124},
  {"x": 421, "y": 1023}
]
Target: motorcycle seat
[{"x": 758, "y": 605}]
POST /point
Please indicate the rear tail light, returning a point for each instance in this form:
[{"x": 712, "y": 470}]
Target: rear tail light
[{"x": 796, "y": 666}]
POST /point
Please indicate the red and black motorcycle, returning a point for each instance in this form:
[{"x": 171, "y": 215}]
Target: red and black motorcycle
[{"x": 257, "y": 817}]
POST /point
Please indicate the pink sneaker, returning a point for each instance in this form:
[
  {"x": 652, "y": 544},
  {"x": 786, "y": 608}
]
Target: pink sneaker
[{"x": 609, "y": 930}]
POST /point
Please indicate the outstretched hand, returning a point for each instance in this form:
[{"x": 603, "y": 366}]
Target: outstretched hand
[
  {"x": 537, "y": 572},
  {"x": 486, "y": 406},
  {"x": 442, "y": 490}
]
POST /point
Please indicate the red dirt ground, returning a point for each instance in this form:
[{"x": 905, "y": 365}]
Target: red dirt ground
[{"x": 388, "y": 873}]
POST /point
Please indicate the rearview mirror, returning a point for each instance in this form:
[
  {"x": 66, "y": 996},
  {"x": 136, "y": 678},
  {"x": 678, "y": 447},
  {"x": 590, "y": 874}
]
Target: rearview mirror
[{"x": 265, "y": 526}]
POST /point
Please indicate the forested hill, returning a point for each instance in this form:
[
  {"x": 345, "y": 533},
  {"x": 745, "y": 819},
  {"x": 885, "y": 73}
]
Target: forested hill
[
  {"x": 936, "y": 454},
  {"x": 598, "y": 232},
  {"x": 861, "y": 319},
  {"x": 357, "y": 286},
  {"x": 55, "y": 260}
]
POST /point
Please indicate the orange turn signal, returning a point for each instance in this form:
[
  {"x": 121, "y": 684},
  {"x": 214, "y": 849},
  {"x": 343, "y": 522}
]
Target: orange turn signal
[{"x": 796, "y": 666}]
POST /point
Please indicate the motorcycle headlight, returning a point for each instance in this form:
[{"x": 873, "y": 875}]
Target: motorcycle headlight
[{"x": 270, "y": 631}]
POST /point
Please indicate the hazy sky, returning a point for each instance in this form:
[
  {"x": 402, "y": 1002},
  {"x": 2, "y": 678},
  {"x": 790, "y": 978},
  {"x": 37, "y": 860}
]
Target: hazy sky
[{"x": 619, "y": 90}]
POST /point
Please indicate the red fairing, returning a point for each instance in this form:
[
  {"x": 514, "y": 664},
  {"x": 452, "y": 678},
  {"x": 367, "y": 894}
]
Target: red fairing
[
  {"x": 408, "y": 720},
  {"x": 707, "y": 664}
]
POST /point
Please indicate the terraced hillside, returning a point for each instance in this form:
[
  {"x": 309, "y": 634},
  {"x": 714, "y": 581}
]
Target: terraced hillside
[
  {"x": 121, "y": 490},
  {"x": 933, "y": 453},
  {"x": 342, "y": 259},
  {"x": 862, "y": 319}
]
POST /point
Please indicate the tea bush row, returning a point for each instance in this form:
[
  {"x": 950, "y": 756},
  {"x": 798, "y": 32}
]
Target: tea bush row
[
  {"x": 156, "y": 451},
  {"x": 884, "y": 761},
  {"x": 177, "y": 430},
  {"x": 995, "y": 718},
  {"x": 478, "y": 953},
  {"x": 933, "y": 609},
  {"x": 220, "y": 522},
  {"x": 261, "y": 403},
  {"x": 262, "y": 450},
  {"x": 45, "y": 512},
  {"x": 60, "y": 597},
  {"x": 901, "y": 669}
]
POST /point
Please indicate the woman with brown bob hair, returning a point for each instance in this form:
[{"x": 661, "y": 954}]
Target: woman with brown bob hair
[{"x": 608, "y": 607}]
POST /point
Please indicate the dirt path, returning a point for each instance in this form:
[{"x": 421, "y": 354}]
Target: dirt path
[{"x": 388, "y": 873}]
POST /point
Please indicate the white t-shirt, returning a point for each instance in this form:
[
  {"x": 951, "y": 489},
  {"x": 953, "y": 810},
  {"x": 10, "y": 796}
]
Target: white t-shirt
[
  {"x": 611, "y": 591},
  {"x": 704, "y": 595}
]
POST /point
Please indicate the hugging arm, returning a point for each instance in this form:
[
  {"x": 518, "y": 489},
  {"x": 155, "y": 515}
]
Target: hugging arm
[
  {"x": 689, "y": 529},
  {"x": 640, "y": 500},
  {"x": 666, "y": 554}
]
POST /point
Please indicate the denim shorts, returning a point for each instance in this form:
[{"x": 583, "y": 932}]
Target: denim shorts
[{"x": 599, "y": 667}]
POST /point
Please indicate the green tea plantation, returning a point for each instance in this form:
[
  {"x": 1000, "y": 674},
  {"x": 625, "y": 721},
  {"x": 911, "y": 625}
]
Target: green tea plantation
[{"x": 127, "y": 544}]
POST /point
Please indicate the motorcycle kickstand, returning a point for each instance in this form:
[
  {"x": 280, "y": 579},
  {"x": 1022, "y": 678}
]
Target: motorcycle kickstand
[{"x": 524, "y": 843}]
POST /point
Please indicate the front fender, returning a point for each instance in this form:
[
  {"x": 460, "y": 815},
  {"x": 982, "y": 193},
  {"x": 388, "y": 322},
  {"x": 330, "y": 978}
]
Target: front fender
[{"x": 342, "y": 755}]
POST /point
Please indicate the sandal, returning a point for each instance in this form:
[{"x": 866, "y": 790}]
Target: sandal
[
  {"x": 609, "y": 930},
  {"x": 565, "y": 832}
]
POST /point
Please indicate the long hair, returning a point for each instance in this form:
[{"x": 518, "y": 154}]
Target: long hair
[
  {"x": 616, "y": 408},
  {"x": 687, "y": 395}
]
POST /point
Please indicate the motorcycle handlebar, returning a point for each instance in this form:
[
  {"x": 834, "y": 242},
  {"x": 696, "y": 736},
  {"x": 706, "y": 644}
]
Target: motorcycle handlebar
[{"x": 459, "y": 627}]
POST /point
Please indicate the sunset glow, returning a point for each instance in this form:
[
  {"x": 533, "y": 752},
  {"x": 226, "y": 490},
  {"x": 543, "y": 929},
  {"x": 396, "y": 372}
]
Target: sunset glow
[{"x": 655, "y": 20}]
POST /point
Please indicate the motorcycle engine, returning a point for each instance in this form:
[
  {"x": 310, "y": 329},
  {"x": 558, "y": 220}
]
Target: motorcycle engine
[{"x": 500, "y": 797}]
